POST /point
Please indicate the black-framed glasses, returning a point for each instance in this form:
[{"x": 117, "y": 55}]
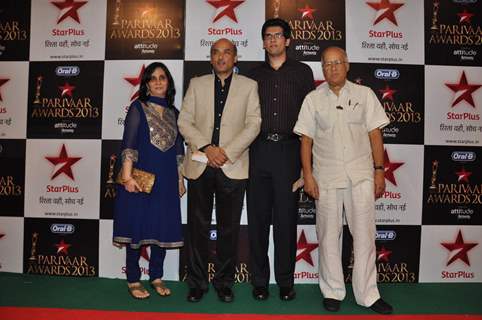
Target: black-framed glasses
[{"x": 277, "y": 35}]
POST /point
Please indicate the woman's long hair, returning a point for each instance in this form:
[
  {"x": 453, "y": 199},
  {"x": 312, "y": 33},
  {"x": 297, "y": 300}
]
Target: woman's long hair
[{"x": 146, "y": 77}]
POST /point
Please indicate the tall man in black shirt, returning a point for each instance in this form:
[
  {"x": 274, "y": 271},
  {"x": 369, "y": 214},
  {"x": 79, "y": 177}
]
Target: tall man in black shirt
[{"x": 275, "y": 162}]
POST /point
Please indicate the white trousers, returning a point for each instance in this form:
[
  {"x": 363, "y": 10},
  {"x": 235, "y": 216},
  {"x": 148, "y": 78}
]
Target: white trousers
[{"x": 359, "y": 204}]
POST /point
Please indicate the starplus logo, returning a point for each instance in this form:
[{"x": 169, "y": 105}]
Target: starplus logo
[
  {"x": 463, "y": 91},
  {"x": 387, "y": 93},
  {"x": 225, "y": 8},
  {"x": 385, "y": 10},
  {"x": 66, "y": 90},
  {"x": 68, "y": 8},
  {"x": 63, "y": 164},
  {"x": 383, "y": 255},
  {"x": 390, "y": 168},
  {"x": 63, "y": 247},
  {"x": 2, "y": 82},
  {"x": 319, "y": 83},
  {"x": 465, "y": 16},
  {"x": 463, "y": 176},
  {"x": 306, "y": 248},
  {"x": 306, "y": 12},
  {"x": 458, "y": 250},
  {"x": 135, "y": 82}
]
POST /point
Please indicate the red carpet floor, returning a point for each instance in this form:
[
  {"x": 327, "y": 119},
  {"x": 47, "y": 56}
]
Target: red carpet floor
[{"x": 18, "y": 313}]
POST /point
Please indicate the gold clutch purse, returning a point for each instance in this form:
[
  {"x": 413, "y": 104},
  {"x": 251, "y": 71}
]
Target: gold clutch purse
[{"x": 144, "y": 179}]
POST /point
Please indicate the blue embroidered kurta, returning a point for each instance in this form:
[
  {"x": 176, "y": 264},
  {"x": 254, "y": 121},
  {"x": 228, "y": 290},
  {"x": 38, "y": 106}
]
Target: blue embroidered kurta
[{"x": 151, "y": 140}]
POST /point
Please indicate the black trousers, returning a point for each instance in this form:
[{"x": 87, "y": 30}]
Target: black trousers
[
  {"x": 229, "y": 194},
  {"x": 274, "y": 167}
]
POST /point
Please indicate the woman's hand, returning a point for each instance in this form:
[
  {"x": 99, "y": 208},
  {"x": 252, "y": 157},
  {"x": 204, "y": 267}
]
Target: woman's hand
[
  {"x": 131, "y": 185},
  {"x": 182, "y": 188}
]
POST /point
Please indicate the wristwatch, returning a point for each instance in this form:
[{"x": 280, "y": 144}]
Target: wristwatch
[{"x": 379, "y": 168}]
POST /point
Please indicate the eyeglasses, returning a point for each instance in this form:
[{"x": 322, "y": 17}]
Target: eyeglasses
[
  {"x": 269, "y": 36},
  {"x": 335, "y": 63}
]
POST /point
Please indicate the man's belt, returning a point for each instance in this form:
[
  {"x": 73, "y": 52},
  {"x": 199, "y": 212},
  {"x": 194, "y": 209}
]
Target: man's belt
[{"x": 276, "y": 137}]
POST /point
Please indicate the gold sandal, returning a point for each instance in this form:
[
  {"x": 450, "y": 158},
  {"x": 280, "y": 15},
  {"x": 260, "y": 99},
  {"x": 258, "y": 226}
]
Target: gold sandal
[
  {"x": 160, "y": 288},
  {"x": 137, "y": 286}
]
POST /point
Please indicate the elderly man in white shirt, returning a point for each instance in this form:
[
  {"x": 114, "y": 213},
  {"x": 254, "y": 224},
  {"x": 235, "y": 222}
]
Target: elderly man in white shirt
[{"x": 340, "y": 124}]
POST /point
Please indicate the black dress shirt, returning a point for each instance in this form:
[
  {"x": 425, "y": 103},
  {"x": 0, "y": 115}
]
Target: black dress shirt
[
  {"x": 220, "y": 96},
  {"x": 281, "y": 93}
]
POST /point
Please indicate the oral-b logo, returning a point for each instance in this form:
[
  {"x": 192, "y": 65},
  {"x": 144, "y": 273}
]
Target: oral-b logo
[
  {"x": 386, "y": 235},
  {"x": 387, "y": 74},
  {"x": 67, "y": 71},
  {"x": 63, "y": 228},
  {"x": 463, "y": 156}
]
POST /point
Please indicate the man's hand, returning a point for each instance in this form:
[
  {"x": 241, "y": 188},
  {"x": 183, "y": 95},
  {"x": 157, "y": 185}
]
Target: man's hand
[
  {"x": 216, "y": 156},
  {"x": 182, "y": 187},
  {"x": 311, "y": 187},
  {"x": 379, "y": 183}
]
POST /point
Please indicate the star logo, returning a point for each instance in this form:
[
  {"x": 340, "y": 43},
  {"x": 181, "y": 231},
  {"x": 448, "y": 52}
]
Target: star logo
[
  {"x": 135, "y": 82},
  {"x": 63, "y": 247},
  {"x": 63, "y": 164},
  {"x": 68, "y": 8},
  {"x": 383, "y": 255},
  {"x": 146, "y": 12},
  {"x": 387, "y": 93},
  {"x": 465, "y": 16},
  {"x": 144, "y": 253},
  {"x": 385, "y": 10},
  {"x": 225, "y": 8},
  {"x": 463, "y": 176},
  {"x": 319, "y": 83},
  {"x": 306, "y": 12},
  {"x": 463, "y": 91},
  {"x": 2, "y": 82},
  {"x": 458, "y": 250},
  {"x": 390, "y": 168},
  {"x": 66, "y": 90},
  {"x": 305, "y": 248}
]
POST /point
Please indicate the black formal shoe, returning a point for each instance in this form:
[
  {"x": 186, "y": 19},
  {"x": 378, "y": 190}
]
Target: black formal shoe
[
  {"x": 195, "y": 294},
  {"x": 260, "y": 293},
  {"x": 331, "y": 305},
  {"x": 382, "y": 307},
  {"x": 287, "y": 293},
  {"x": 225, "y": 294}
]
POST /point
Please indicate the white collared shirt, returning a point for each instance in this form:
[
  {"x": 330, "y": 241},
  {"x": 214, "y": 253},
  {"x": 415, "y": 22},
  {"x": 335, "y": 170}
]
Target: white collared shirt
[{"x": 339, "y": 127}]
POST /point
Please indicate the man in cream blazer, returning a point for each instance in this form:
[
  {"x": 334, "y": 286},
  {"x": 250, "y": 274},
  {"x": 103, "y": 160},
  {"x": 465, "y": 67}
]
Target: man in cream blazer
[{"x": 220, "y": 116}]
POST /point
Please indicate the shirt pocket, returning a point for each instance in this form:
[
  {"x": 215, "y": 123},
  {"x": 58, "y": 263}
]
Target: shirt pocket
[
  {"x": 323, "y": 121},
  {"x": 355, "y": 115}
]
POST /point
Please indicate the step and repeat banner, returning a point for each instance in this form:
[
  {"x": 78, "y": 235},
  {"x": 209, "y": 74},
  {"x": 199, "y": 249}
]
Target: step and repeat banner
[{"x": 69, "y": 69}]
